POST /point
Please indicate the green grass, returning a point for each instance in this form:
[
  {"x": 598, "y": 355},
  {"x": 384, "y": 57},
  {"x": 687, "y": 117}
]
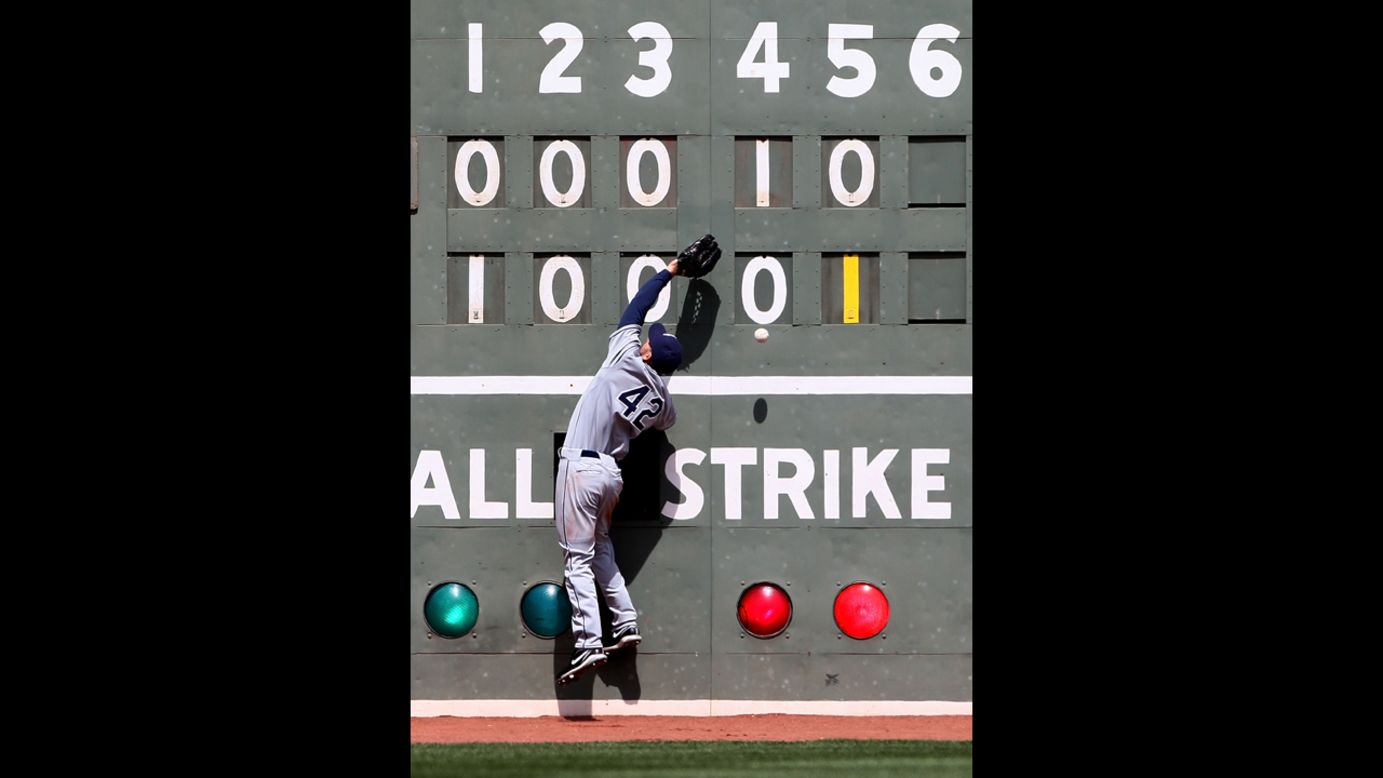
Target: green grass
[{"x": 695, "y": 759}]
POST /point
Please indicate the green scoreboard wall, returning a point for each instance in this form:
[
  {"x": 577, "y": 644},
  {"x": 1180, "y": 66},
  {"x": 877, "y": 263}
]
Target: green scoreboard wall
[{"x": 562, "y": 153}]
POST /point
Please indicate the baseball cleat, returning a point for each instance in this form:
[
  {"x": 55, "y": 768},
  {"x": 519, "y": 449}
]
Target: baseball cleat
[
  {"x": 582, "y": 659},
  {"x": 624, "y": 637}
]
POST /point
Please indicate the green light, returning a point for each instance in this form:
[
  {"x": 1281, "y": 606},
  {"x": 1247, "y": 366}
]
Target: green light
[
  {"x": 451, "y": 610},
  {"x": 545, "y": 609}
]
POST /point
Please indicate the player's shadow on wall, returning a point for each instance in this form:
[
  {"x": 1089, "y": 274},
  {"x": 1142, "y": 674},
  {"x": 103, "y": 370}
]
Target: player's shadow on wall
[{"x": 697, "y": 322}]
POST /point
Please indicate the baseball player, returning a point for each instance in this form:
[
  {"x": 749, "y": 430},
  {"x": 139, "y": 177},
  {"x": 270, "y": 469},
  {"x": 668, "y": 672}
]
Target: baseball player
[{"x": 627, "y": 396}]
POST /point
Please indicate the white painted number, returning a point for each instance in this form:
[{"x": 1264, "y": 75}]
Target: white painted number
[
  {"x": 631, "y": 171},
  {"x": 762, "y": 198},
  {"x": 578, "y": 288},
  {"x": 936, "y": 72},
  {"x": 923, "y": 60},
  {"x": 780, "y": 289},
  {"x": 841, "y": 57},
  {"x": 486, "y": 150},
  {"x": 578, "y": 173},
  {"x": 655, "y": 58},
  {"x": 843, "y": 196},
  {"x": 476, "y": 289},
  {"x": 552, "y": 81},
  {"x": 475, "y": 37},
  {"x": 771, "y": 70},
  {"x": 632, "y": 284}
]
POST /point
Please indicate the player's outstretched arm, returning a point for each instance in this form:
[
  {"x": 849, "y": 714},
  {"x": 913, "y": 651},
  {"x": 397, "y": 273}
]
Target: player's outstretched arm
[{"x": 647, "y": 296}]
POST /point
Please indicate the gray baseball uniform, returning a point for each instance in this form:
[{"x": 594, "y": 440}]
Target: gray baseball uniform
[{"x": 626, "y": 397}]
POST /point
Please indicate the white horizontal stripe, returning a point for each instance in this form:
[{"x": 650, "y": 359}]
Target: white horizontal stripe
[
  {"x": 716, "y": 386},
  {"x": 533, "y": 708}
]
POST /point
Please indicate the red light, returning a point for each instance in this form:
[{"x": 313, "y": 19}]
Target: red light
[
  {"x": 861, "y": 611},
  {"x": 764, "y": 610}
]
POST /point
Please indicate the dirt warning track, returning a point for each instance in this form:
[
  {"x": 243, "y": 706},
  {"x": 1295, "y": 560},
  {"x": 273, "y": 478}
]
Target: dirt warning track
[{"x": 555, "y": 729}]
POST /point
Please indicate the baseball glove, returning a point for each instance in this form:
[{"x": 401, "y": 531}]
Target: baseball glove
[{"x": 699, "y": 258}]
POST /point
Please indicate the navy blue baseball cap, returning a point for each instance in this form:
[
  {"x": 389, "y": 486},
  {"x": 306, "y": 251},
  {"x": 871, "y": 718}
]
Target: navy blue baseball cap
[{"x": 667, "y": 349}]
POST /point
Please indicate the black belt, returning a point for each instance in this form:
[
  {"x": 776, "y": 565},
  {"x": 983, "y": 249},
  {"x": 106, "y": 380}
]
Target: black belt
[{"x": 585, "y": 452}]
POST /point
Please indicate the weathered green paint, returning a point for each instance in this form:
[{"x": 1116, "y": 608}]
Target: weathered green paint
[
  {"x": 893, "y": 287},
  {"x": 933, "y": 349},
  {"x": 512, "y": 676},
  {"x": 685, "y": 574},
  {"x": 801, "y": 676},
  {"x": 427, "y": 236},
  {"x": 936, "y": 171},
  {"x": 860, "y": 229},
  {"x": 806, "y": 288},
  {"x": 936, "y": 287}
]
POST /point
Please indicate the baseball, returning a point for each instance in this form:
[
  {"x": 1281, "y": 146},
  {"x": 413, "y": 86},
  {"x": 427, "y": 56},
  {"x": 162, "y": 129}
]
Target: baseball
[{"x": 761, "y": 334}]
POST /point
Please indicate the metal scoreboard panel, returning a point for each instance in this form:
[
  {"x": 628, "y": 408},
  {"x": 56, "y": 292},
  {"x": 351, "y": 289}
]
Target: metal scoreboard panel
[{"x": 520, "y": 271}]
